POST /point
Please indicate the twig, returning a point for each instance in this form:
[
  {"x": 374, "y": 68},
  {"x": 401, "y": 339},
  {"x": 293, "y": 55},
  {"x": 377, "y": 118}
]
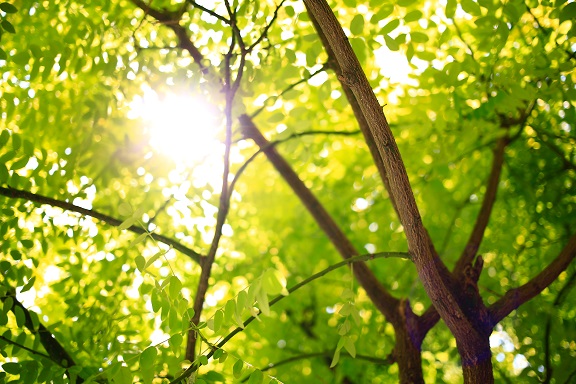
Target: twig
[{"x": 20, "y": 194}]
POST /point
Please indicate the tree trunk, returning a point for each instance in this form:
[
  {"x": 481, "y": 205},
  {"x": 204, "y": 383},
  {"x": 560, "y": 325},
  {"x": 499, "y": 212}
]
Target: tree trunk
[
  {"x": 408, "y": 357},
  {"x": 476, "y": 360}
]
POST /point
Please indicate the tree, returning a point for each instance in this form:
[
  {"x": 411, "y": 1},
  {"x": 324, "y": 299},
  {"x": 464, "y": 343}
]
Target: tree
[{"x": 446, "y": 187}]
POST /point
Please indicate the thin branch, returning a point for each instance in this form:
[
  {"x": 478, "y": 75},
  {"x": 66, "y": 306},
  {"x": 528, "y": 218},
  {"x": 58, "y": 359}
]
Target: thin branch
[
  {"x": 288, "y": 88},
  {"x": 279, "y": 141},
  {"x": 485, "y": 211},
  {"x": 224, "y": 205},
  {"x": 294, "y": 288},
  {"x": 184, "y": 41},
  {"x": 55, "y": 350},
  {"x": 35, "y": 198},
  {"x": 329, "y": 354},
  {"x": 266, "y": 29},
  {"x": 381, "y": 298},
  {"x": 209, "y": 11},
  {"x": 518, "y": 296},
  {"x": 32, "y": 351}
]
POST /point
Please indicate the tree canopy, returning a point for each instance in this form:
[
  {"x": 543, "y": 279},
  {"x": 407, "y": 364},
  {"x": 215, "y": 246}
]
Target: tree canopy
[{"x": 287, "y": 191}]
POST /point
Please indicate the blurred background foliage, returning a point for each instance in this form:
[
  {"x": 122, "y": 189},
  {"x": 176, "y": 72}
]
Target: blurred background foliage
[{"x": 452, "y": 78}]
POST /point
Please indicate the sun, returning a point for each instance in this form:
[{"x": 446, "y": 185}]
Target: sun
[{"x": 182, "y": 127}]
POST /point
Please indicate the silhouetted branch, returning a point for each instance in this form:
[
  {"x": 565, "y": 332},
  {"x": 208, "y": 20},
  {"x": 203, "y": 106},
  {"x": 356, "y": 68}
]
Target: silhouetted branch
[
  {"x": 208, "y": 11},
  {"x": 184, "y": 41},
  {"x": 20, "y": 194},
  {"x": 266, "y": 28},
  {"x": 56, "y": 352}
]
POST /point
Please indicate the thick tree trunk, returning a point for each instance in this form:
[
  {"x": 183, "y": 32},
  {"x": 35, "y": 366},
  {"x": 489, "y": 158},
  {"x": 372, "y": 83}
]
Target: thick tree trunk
[
  {"x": 408, "y": 357},
  {"x": 476, "y": 360}
]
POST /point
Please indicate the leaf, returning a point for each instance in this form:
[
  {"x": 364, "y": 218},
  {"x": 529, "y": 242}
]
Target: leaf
[
  {"x": 350, "y": 347},
  {"x": 241, "y": 301},
  {"x": 271, "y": 282},
  {"x": 125, "y": 209},
  {"x": 12, "y": 368},
  {"x": 8, "y": 27},
  {"x": 392, "y": 25},
  {"x": 256, "y": 377},
  {"x": 153, "y": 258},
  {"x": 451, "y": 6},
  {"x": 175, "y": 287},
  {"x": 123, "y": 376},
  {"x": 4, "y": 137},
  {"x": 28, "y": 285},
  {"x": 357, "y": 25},
  {"x": 140, "y": 263},
  {"x": 3, "y": 55},
  {"x": 127, "y": 223},
  {"x": 16, "y": 142},
  {"x": 138, "y": 239},
  {"x": 203, "y": 360},
  {"x": 8, "y": 8},
  {"x": 262, "y": 298},
  {"x": 148, "y": 357},
  {"x": 237, "y": 368},
  {"x": 20, "y": 316},
  {"x": 335, "y": 359},
  {"x": 218, "y": 319},
  {"x": 229, "y": 310},
  {"x": 391, "y": 43},
  {"x": 568, "y": 12}
]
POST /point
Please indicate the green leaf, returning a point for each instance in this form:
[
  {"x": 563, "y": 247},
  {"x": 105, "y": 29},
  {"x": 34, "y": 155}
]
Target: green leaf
[
  {"x": 350, "y": 347},
  {"x": 237, "y": 368},
  {"x": 203, "y": 360},
  {"x": 140, "y": 263},
  {"x": 335, "y": 358},
  {"x": 271, "y": 282},
  {"x": 127, "y": 223},
  {"x": 357, "y": 25},
  {"x": 413, "y": 16},
  {"x": 391, "y": 43},
  {"x": 229, "y": 310},
  {"x": 28, "y": 285},
  {"x": 12, "y": 368},
  {"x": 471, "y": 7},
  {"x": 138, "y": 239},
  {"x": 175, "y": 287},
  {"x": 568, "y": 12},
  {"x": 392, "y": 25},
  {"x": 8, "y": 27},
  {"x": 20, "y": 316},
  {"x": 16, "y": 142},
  {"x": 4, "y": 137},
  {"x": 218, "y": 319},
  {"x": 262, "y": 299},
  {"x": 148, "y": 357},
  {"x": 418, "y": 37},
  {"x": 123, "y": 376},
  {"x": 155, "y": 257},
  {"x": 3, "y": 55},
  {"x": 451, "y": 6},
  {"x": 8, "y": 8},
  {"x": 125, "y": 209},
  {"x": 256, "y": 377}
]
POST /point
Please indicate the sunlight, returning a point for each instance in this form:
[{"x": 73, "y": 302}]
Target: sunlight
[{"x": 182, "y": 127}]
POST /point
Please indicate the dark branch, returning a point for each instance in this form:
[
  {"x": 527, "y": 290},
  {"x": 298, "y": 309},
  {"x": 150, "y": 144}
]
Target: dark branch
[
  {"x": 184, "y": 41},
  {"x": 209, "y": 11},
  {"x": 518, "y": 296},
  {"x": 485, "y": 211},
  {"x": 56, "y": 352},
  {"x": 266, "y": 28},
  {"x": 20, "y": 194}
]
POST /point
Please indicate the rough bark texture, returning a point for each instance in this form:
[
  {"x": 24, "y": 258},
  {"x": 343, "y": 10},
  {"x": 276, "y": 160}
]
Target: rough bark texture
[{"x": 432, "y": 272}]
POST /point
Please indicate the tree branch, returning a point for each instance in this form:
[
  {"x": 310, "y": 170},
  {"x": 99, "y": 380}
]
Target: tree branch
[
  {"x": 483, "y": 218},
  {"x": 383, "y": 300},
  {"x": 518, "y": 296},
  {"x": 55, "y": 350},
  {"x": 208, "y": 11},
  {"x": 184, "y": 41},
  {"x": 294, "y": 288},
  {"x": 20, "y": 194},
  {"x": 266, "y": 28}
]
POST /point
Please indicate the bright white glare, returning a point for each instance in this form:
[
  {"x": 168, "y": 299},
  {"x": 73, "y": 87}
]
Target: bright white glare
[{"x": 183, "y": 127}]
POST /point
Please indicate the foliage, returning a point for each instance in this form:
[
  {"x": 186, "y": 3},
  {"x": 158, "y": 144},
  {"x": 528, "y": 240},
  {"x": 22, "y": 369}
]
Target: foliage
[{"x": 108, "y": 242}]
